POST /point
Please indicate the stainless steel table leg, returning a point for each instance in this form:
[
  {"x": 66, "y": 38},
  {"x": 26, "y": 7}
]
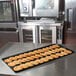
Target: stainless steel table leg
[
  {"x": 54, "y": 35},
  {"x": 20, "y": 34},
  {"x": 35, "y": 34},
  {"x": 60, "y": 35}
]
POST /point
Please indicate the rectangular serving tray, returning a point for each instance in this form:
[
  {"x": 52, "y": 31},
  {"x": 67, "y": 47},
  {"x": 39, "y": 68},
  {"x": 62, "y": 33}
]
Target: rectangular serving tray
[{"x": 37, "y": 49}]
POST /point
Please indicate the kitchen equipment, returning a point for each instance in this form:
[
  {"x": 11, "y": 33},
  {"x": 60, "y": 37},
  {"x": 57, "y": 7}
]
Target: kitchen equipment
[
  {"x": 70, "y": 14},
  {"x": 39, "y": 31},
  {"x": 47, "y": 34},
  {"x": 69, "y": 18},
  {"x": 28, "y": 32},
  {"x": 39, "y": 8},
  {"x": 8, "y": 15}
]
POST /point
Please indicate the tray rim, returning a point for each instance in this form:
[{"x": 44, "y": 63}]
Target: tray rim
[{"x": 34, "y": 50}]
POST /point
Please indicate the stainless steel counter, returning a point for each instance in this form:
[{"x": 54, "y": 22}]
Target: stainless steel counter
[
  {"x": 41, "y": 23},
  {"x": 65, "y": 66},
  {"x": 37, "y": 25}
]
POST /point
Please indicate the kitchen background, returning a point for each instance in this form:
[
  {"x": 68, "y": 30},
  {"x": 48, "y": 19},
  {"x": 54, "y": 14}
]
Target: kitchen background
[{"x": 38, "y": 21}]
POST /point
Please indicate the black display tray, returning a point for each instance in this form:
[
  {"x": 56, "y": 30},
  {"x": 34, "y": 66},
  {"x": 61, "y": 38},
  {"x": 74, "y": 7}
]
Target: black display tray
[{"x": 37, "y": 49}]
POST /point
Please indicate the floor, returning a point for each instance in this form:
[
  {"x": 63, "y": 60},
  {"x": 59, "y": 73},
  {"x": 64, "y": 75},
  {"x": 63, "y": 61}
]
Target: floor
[{"x": 70, "y": 37}]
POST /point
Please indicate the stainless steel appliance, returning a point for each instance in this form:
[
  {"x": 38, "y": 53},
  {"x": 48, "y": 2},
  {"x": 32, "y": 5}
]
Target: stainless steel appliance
[
  {"x": 27, "y": 35},
  {"x": 48, "y": 34},
  {"x": 25, "y": 8},
  {"x": 39, "y": 8},
  {"x": 70, "y": 14},
  {"x": 40, "y": 32},
  {"x": 28, "y": 32},
  {"x": 44, "y": 30},
  {"x": 8, "y": 15},
  {"x": 8, "y": 22}
]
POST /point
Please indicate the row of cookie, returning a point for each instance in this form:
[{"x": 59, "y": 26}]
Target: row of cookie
[
  {"x": 42, "y": 54},
  {"x": 36, "y": 62},
  {"x": 34, "y": 52},
  {"x": 25, "y": 55},
  {"x": 32, "y": 63},
  {"x": 14, "y": 63},
  {"x": 54, "y": 46},
  {"x": 20, "y": 56}
]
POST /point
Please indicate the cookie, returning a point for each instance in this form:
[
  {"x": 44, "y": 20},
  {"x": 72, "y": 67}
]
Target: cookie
[
  {"x": 64, "y": 53},
  {"x": 11, "y": 64},
  {"x": 67, "y": 51},
  {"x": 13, "y": 58},
  {"x": 59, "y": 54},
  {"x": 17, "y": 68},
  {"x": 24, "y": 66},
  {"x": 54, "y": 56},
  {"x": 24, "y": 60},
  {"x": 7, "y": 60},
  {"x": 49, "y": 57}
]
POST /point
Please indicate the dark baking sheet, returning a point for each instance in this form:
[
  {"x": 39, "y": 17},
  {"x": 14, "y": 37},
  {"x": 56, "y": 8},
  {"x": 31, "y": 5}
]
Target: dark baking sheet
[{"x": 37, "y": 49}]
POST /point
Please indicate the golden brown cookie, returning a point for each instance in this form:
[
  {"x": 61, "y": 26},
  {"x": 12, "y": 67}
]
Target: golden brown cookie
[
  {"x": 22, "y": 65},
  {"x": 17, "y": 68},
  {"x": 20, "y": 60},
  {"x": 42, "y": 54},
  {"x": 17, "y": 57},
  {"x": 64, "y": 53},
  {"x": 17, "y": 62},
  {"x": 44, "y": 49},
  {"x": 47, "y": 53},
  {"x": 36, "y": 51},
  {"x": 54, "y": 56},
  {"x": 24, "y": 60},
  {"x": 50, "y": 48},
  {"x": 25, "y": 54},
  {"x": 7, "y": 60},
  {"x": 45, "y": 59},
  {"x": 42, "y": 59},
  {"x": 37, "y": 55},
  {"x": 31, "y": 53},
  {"x": 29, "y": 58},
  {"x": 40, "y": 50},
  {"x": 61, "y": 49},
  {"x": 52, "y": 51},
  {"x": 49, "y": 57},
  {"x": 35, "y": 62},
  {"x": 21, "y": 55},
  {"x": 59, "y": 54},
  {"x": 55, "y": 46},
  {"x": 56, "y": 50},
  {"x": 13, "y": 58},
  {"x": 28, "y": 64},
  {"x": 11, "y": 64},
  {"x": 33, "y": 57},
  {"x": 67, "y": 51}
]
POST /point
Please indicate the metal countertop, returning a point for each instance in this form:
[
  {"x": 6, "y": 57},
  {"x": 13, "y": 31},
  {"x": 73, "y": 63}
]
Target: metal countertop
[
  {"x": 65, "y": 66},
  {"x": 40, "y": 23}
]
